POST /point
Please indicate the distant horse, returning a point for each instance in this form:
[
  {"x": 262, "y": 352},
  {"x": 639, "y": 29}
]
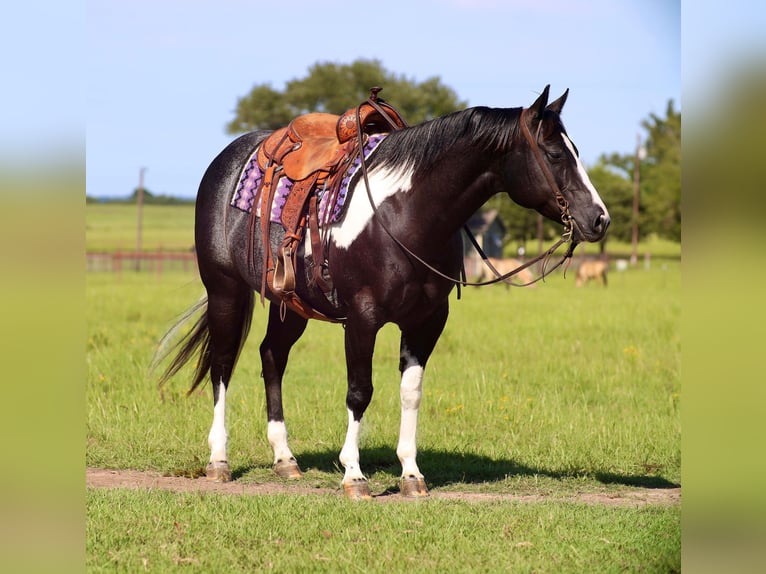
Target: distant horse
[
  {"x": 503, "y": 266},
  {"x": 393, "y": 257},
  {"x": 592, "y": 270}
]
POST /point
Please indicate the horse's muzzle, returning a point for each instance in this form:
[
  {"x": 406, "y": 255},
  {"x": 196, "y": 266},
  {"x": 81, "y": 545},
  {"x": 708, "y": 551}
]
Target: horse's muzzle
[{"x": 595, "y": 228}]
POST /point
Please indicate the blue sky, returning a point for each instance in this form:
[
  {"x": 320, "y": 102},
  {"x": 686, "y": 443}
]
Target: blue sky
[
  {"x": 163, "y": 78},
  {"x": 152, "y": 84}
]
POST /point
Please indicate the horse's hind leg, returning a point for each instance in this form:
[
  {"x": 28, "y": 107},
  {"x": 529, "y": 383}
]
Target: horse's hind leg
[
  {"x": 416, "y": 347},
  {"x": 275, "y": 348},
  {"x": 360, "y": 342},
  {"x": 230, "y": 308}
]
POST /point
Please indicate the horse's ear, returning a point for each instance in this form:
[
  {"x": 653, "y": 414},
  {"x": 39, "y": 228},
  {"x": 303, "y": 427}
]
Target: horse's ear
[
  {"x": 559, "y": 104},
  {"x": 537, "y": 109}
]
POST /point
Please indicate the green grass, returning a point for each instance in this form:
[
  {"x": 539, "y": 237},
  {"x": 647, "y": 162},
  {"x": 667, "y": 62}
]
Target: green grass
[
  {"x": 652, "y": 245},
  {"x": 529, "y": 387},
  {"x": 112, "y": 227},
  {"x": 165, "y": 532},
  {"x": 555, "y": 391}
]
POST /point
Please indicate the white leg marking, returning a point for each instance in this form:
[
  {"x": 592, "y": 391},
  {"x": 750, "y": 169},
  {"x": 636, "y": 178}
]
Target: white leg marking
[
  {"x": 277, "y": 433},
  {"x": 218, "y": 437},
  {"x": 383, "y": 183},
  {"x": 349, "y": 455},
  {"x": 410, "y": 392},
  {"x": 584, "y": 176}
]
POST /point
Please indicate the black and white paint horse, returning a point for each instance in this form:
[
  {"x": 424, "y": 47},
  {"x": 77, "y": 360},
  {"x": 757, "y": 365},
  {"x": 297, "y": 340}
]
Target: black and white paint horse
[{"x": 425, "y": 182}]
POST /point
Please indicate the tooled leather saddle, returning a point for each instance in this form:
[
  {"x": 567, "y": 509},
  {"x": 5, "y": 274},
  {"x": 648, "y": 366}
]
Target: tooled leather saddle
[{"x": 313, "y": 151}]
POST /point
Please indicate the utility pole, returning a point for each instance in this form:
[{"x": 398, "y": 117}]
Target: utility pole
[
  {"x": 140, "y": 206},
  {"x": 640, "y": 154}
]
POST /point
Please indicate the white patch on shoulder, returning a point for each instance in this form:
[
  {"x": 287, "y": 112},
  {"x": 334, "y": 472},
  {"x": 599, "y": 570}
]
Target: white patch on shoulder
[
  {"x": 383, "y": 183},
  {"x": 584, "y": 174}
]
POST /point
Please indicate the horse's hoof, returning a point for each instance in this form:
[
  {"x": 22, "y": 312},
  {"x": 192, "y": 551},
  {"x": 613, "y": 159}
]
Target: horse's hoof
[
  {"x": 218, "y": 471},
  {"x": 288, "y": 469},
  {"x": 413, "y": 487},
  {"x": 357, "y": 490}
]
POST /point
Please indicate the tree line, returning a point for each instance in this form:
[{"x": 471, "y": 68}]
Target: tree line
[{"x": 149, "y": 199}]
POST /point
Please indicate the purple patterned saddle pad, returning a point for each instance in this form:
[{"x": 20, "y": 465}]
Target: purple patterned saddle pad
[{"x": 250, "y": 180}]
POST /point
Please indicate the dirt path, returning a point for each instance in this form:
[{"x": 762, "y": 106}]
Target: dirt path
[{"x": 101, "y": 478}]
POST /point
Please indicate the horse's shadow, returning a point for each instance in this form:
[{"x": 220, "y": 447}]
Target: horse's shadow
[{"x": 444, "y": 468}]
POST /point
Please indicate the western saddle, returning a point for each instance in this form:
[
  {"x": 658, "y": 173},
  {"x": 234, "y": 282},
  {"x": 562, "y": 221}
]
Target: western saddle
[{"x": 314, "y": 151}]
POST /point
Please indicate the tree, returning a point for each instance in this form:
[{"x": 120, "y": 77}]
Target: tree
[
  {"x": 660, "y": 179},
  {"x": 155, "y": 199},
  {"x": 617, "y": 192},
  {"x": 334, "y": 88},
  {"x": 661, "y": 174}
]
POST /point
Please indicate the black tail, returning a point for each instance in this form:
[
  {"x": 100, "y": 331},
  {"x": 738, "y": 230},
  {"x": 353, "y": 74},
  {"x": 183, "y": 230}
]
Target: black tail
[{"x": 196, "y": 341}]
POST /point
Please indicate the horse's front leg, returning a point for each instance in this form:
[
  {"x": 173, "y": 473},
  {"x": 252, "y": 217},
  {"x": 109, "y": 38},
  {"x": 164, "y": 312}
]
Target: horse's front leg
[
  {"x": 360, "y": 344},
  {"x": 416, "y": 347}
]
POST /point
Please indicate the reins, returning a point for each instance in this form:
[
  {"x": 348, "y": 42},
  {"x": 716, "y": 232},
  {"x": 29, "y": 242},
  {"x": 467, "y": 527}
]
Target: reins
[{"x": 566, "y": 217}]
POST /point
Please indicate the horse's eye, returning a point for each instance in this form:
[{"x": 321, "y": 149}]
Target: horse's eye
[{"x": 555, "y": 155}]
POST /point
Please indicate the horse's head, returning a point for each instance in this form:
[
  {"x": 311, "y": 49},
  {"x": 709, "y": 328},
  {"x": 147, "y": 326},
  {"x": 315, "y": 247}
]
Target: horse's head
[{"x": 555, "y": 182}]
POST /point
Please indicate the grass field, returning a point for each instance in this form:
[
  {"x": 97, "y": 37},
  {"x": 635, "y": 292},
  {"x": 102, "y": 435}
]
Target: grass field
[
  {"x": 551, "y": 391},
  {"x": 167, "y": 532},
  {"x": 112, "y": 227}
]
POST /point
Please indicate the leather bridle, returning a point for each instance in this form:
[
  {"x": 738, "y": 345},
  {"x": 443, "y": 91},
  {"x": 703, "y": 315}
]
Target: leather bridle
[{"x": 566, "y": 217}]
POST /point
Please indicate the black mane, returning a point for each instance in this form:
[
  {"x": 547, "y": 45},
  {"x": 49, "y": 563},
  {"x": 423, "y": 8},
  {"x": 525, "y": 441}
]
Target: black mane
[{"x": 419, "y": 146}]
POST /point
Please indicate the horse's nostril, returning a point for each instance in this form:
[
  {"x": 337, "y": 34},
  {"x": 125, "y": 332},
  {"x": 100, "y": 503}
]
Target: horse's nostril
[{"x": 602, "y": 222}]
